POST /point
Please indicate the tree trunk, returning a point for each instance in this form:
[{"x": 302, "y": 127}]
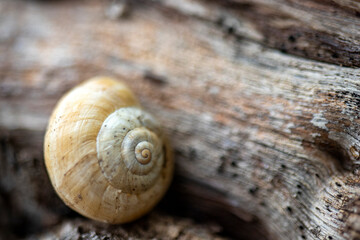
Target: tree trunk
[{"x": 259, "y": 99}]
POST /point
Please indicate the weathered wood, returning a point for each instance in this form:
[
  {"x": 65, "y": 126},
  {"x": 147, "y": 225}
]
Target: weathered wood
[
  {"x": 323, "y": 30},
  {"x": 271, "y": 138},
  {"x": 154, "y": 226}
]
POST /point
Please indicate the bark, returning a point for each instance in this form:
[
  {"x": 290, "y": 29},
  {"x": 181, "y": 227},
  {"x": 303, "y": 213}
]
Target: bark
[{"x": 259, "y": 99}]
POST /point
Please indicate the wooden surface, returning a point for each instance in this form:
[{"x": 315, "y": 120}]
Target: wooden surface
[
  {"x": 154, "y": 226},
  {"x": 259, "y": 98}
]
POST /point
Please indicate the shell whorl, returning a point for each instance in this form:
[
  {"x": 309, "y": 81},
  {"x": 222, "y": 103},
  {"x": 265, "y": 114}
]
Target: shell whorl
[
  {"x": 129, "y": 150},
  {"x": 106, "y": 158}
]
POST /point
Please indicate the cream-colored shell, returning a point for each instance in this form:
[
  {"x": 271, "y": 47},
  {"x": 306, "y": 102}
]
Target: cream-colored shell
[{"x": 85, "y": 157}]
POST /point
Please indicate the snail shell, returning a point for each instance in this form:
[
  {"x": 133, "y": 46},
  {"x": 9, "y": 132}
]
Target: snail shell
[{"x": 107, "y": 158}]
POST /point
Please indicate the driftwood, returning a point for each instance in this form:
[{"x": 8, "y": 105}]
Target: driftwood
[
  {"x": 259, "y": 98},
  {"x": 158, "y": 226}
]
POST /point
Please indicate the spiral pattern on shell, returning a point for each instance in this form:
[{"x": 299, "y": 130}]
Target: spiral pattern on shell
[
  {"x": 130, "y": 136},
  {"x": 106, "y": 157}
]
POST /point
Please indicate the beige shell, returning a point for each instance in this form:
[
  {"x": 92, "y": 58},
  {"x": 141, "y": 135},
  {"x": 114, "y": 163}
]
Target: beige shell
[{"x": 107, "y": 158}]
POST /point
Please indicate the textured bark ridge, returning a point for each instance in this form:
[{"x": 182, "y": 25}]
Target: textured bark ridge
[{"x": 259, "y": 99}]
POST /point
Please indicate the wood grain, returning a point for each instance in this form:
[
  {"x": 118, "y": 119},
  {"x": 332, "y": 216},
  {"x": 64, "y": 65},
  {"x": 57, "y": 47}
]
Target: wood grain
[{"x": 268, "y": 133}]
